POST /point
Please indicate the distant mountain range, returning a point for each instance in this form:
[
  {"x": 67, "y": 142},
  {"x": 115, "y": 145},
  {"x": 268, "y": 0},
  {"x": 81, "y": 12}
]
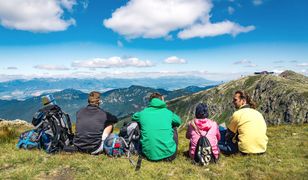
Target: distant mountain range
[
  {"x": 120, "y": 102},
  {"x": 281, "y": 99},
  {"x": 23, "y": 89}
]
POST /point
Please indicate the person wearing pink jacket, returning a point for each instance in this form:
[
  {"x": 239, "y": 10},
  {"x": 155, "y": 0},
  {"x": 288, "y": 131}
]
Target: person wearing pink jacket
[{"x": 206, "y": 127}]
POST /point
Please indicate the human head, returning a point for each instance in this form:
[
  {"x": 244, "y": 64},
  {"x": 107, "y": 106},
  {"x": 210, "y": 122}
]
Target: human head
[
  {"x": 201, "y": 111},
  {"x": 241, "y": 98},
  {"x": 94, "y": 98},
  {"x": 156, "y": 95},
  {"x": 48, "y": 100}
]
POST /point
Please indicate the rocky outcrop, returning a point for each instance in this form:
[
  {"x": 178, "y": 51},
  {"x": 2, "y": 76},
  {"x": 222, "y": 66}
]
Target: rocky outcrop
[
  {"x": 15, "y": 123},
  {"x": 281, "y": 99}
]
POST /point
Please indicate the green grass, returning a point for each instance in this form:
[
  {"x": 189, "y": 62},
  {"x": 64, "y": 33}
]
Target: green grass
[{"x": 285, "y": 158}]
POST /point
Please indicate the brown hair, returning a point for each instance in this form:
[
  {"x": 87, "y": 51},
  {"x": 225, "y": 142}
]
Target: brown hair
[
  {"x": 245, "y": 95},
  {"x": 94, "y": 98},
  {"x": 156, "y": 95}
]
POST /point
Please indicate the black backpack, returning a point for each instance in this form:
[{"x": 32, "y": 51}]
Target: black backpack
[
  {"x": 130, "y": 132},
  {"x": 203, "y": 152},
  {"x": 57, "y": 127}
]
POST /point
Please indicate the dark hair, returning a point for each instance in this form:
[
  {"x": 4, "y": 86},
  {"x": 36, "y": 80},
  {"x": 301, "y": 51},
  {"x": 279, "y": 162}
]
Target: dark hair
[
  {"x": 156, "y": 95},
  {"x": 201, "y": 111},
  {"x": 245, "y": 95}
]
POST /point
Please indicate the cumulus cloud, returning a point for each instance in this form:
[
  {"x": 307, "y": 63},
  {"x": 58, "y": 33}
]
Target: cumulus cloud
[
  {"x": 257, "y": 2},
  {"x": 211, "y": 30},
  {"x": 68, "y": 4},
  {"x": 113, "y": 62},
  {"x": 51, "y": 67},
  {"x": 174, "y": 60},
  {"x": 157, "y": 18},
  {"x": 36, "y": 15},
  {"x": 302, "y": 65}
]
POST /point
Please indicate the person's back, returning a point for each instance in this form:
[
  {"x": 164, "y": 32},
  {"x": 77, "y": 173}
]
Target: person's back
[
  {"x": 90, "y": 125},
  {"x": 201, "y": 124},
  {"x": 251, "y": 128},
  {"x": 157, "y": 133}
]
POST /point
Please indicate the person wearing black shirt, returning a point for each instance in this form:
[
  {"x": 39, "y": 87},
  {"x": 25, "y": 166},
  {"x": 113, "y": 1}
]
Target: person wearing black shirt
[{"x": 93, "y": 125}]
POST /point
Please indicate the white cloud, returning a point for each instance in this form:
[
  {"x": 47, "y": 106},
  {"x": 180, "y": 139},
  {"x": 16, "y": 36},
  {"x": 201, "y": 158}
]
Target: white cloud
[
  {"x": 174, "y": 60},
  {"x": 231, "y": 10},
  {"x": 36, "y": 15},
  {"x": 211, "y": 30},
  {"x": 257, "y": 2},
  {"x": 157, "y": 18},
  {"x": 68, "y": 4},
  {"x": 302, "y": 65},
  {"x": 51, "y": 67},
  {"x": 112, "y": 62}
]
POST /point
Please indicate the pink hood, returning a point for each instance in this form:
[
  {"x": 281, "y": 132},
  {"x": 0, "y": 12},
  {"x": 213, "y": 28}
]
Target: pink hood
[{"x": 205, "y": 126}]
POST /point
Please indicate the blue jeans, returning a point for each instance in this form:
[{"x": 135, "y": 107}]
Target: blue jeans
[{"x": 226, "y": 146}]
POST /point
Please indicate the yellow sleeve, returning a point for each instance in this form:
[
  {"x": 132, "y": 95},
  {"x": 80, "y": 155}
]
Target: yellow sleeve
[{"x": 234, "y": 121}]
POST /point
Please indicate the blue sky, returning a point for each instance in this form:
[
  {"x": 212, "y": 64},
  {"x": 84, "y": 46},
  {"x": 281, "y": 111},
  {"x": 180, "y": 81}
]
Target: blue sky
[{"x": 218, "y": 39}]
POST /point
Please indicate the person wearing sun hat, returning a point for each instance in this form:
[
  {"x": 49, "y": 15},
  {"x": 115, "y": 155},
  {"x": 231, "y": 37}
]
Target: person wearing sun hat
[
  {"x": 93, "y": 125},
  {"x": 48, "y": 100}
]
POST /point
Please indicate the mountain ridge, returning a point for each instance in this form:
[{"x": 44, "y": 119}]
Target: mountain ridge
[
  {"x": 281, "y": 99},
  {"x": 120, "y": 102}
]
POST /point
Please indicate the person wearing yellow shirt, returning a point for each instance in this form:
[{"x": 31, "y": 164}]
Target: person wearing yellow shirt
[{"x": 246, "y": 131}]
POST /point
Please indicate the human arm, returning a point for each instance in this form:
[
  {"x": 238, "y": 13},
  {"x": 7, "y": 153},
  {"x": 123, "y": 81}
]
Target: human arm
[
  {"x": 136, "y": 117},
  {"x": 176, "y": 120},
  {"x": 232, "y": 127}
]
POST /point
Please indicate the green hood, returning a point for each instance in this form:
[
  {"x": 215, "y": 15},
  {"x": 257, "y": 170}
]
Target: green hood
[{"x": 157, "y": 103}]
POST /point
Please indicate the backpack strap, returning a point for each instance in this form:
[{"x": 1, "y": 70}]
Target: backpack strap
[
  {"x": 68, "y": 122},
  {"x": 138, "y": 166},
  {"x": 193, "y": 124}
]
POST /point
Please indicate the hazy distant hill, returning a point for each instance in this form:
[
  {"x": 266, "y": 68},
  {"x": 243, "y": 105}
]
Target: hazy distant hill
[
  {"x": 281, "y": 99},
  {"x": 119, "y": 102},
  {"x": 23, "y": 89}
]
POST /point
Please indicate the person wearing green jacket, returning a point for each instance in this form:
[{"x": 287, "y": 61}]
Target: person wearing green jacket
[{"x": 158, "y": 124}]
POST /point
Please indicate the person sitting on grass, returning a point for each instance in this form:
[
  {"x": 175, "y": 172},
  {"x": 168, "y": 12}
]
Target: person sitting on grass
[
  {"x": 246, "y": 131},
  {"x": 159, "y": 139},
  {"x": 93, "y": 125},
  {"x": 201, "y": 125}
]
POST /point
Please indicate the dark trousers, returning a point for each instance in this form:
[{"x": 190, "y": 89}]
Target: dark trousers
[{"x": 226, "y": 146}]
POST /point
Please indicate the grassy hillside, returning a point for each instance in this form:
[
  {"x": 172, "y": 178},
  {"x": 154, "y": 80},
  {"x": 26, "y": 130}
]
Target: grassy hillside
[
  {"x": 286, "y": 158},
  {"x": 281, "y": 99}
]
